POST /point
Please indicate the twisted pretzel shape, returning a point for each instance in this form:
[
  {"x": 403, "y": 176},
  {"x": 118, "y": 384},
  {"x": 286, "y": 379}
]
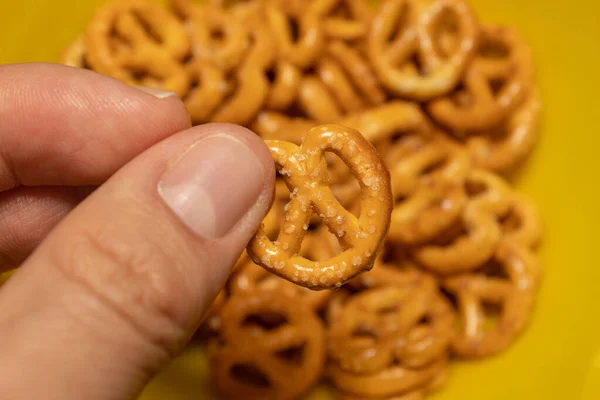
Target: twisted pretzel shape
[{"x": 305, "y": 172}]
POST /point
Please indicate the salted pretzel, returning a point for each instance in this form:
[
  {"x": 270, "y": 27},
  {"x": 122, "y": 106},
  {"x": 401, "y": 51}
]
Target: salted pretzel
[
  {"x": 316, "y": 102},
  {"x": 244, "y": 346},
  {"x": 272, "y": 125},
  {"x": 209, "y": 88},
  {"x": 249, "y": 87},
  {"x": 416, "y": 23},
  {"x": 480, "y": 221},
  {"x": 359, "y": 72},
  {"x": 388, "y": 383},
  {"x": 250, "y": 277},
  {"x": 481, "y": 333},
  {"x": 523, "y": 224},
  {"x": 216, "y": 39},
  {"x": 345, "y": 85},
  {"x": 286, "y": 78},
  {"x": 305, "y": 172},
  {"x": 304, "y": 50},
  {"x": 138, "y": 42},
  {"x": 428, "y": 175},
  {"x": 390, "y": 333},
  {"x": 74, "y": 54},
  {"x": 504, "y": 147},
  {"x": 495, "y": 84},
  {"x": 344, "y": 19}
]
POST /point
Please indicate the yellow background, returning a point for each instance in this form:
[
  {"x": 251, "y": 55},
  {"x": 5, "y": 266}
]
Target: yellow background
[{"x": 559, "y": 356}]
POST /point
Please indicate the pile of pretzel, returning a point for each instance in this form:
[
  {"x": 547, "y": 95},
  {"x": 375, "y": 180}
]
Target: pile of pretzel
[{"x": 451, "y": 107}]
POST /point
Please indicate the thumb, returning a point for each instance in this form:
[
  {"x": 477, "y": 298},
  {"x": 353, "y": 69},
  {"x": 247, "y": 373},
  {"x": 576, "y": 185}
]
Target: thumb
[{"x": 120, "y": 285}]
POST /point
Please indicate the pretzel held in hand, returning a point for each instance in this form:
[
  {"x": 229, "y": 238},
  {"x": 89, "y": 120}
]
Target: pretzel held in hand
[{"x": 304, "y": 169}]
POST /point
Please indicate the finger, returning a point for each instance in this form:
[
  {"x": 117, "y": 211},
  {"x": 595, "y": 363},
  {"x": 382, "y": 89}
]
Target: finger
[
  {"x": 122, "y": 282},
  {"x": 67, "y": 126},
  {"x": 28, "y": 214}
]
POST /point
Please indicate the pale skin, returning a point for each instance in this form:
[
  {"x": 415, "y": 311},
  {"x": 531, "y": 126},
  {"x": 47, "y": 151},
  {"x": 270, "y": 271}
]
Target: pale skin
[{"x": 115, "y": 266}]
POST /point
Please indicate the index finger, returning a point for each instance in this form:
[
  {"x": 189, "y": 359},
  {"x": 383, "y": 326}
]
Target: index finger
[{"x": 71, "y": 127}]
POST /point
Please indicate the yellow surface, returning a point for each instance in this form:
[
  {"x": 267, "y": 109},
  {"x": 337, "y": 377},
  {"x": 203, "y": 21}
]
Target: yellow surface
[{"x": 559, "y": 356}]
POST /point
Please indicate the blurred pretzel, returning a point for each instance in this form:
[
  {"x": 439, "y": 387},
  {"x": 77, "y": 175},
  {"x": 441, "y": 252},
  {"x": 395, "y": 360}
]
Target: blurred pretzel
[
  {"x": 391, "y": 332},
  {"x": 252, "y": 88},
  {"x": 74, "y": 54},
  {"x": 285, "y": 87},
  {"x": 217, "y": 38},
  {"x": 503, "y": 148},
  {"x": 209, "y": 90},
  {"x": 388, "y": 383},
  {"x": 344, "y": 19},
  {"x": 415, "y": 395},
  {"x": 272, "y": 125},
  {"x": 140, "y": 43},
  {"x": 316, "y": 101},
  {"x": 390, "y": 53},
  {"x": 379, "y": 124},
  {"x": 502, "y": 59},
  {"x": 482, "y": 233},
  {"x": 428, "y": 176},
  {"x": 244, "y": 346},
  {"x": 301, "y": 48},
  {"x": 513, "y": 296},
  {"x": 523, "y": 224},
  {"x": 305, "y": 172},
  {"x": 359, "y": 72}
]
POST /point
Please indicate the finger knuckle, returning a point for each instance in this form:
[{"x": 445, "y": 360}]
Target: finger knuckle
[{"x": 139, "y": 277}]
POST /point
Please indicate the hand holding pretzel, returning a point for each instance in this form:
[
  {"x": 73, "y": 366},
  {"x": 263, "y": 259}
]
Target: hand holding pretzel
[{"x": 305, "y": 172}]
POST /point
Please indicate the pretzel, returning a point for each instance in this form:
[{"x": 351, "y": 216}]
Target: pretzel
[
  {"x": 209, "y": 88},
  {"x": 286, "y": 85},
  {"x": 479, "y": 218},
  {"x": 502, "y": 57},
  {"x": 305, "y": 173},
  {"x": 228, "y": 49},
  {"x": 506, "y": 146},
  {"x": 251, "y": 277},
  {"x": 252, "y": 84},
  {"x": 523, "y": 224},
  {"x": 388, "y": 383},
  {"x": 310, "y": 44},
  {"x": 379, "y": 124},
  {"x": 140, "y": 43},
  {"x": 429, "y": 200},
  {"x": 74, "y": 54},
  {"x": 391, "y": 55},
  {"x": 246, "y": 345},
  {"x": 437, "y": 382},
  {"x": 344, "y": 19},
  {"x": 514, "y": 295},
  {"x": 316, "y": 102},
  {"x": 394, "y": 336},
  {"x": 273, "y": 125},
  {"x": 359, "y": 72}
]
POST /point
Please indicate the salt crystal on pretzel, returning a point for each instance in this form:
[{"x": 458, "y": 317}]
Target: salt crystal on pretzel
[{"x": 311, "y": 195}]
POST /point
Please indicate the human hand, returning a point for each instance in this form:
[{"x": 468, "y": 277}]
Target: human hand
[{"x": 126, "y": 223}]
